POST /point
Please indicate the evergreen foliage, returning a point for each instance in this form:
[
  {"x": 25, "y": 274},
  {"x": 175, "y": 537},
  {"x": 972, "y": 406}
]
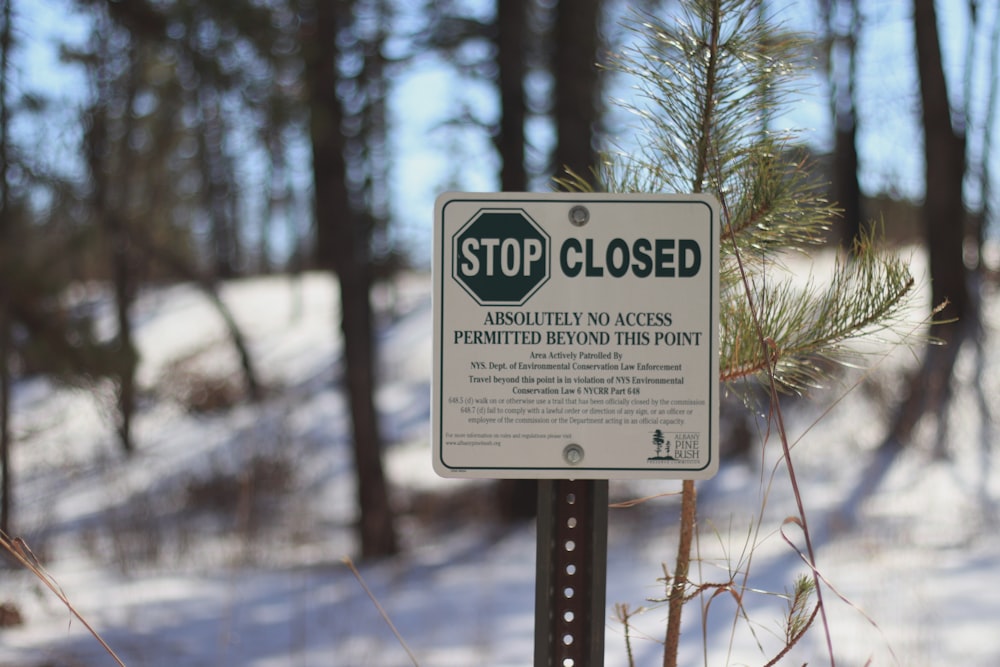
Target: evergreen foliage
[{"x": 706, "y": 86}]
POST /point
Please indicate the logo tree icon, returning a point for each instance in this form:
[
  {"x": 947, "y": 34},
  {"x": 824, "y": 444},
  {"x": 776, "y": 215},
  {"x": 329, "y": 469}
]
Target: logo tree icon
[{"x": 659, "y": 441}]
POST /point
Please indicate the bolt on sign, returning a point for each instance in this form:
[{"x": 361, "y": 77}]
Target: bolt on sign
[{"x": 575, "y": 336}]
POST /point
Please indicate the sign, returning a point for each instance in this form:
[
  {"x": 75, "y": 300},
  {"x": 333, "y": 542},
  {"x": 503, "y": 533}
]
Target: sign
[
  {"x": 575, "y": 336},
  {"x": 500, "y": 257}
]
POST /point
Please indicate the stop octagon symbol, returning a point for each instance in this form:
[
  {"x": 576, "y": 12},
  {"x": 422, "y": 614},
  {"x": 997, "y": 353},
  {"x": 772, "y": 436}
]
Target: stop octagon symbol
[{"x": 501, "y": 257}]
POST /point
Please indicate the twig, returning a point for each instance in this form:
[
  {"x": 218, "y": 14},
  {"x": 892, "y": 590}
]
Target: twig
[
  {"x": 385, "y": 617},
  {"x": 795, "y": 639},
  {"x": 23, "y": 554},
  {"x": 768, "y": 344},
  {"x": 625, "y": 615},
  {"x": 625, "y": 504},
  {"x": 689, "y": 495},
  {"x": 819, "y": 576}
]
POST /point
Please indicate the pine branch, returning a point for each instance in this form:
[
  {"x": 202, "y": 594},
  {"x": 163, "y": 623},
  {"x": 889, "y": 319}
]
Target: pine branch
[
  {"x": 707, "y": 82},
  {"x": 706, "y": 85},
  {"x": 779, "y": 205},
  {"x": 810, "y": 330},
  {"x": 699, "y": 80}
]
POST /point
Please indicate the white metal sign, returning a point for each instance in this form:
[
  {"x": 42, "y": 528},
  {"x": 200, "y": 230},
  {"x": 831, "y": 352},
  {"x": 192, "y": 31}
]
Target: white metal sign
[{"x": 575, "y": 336}]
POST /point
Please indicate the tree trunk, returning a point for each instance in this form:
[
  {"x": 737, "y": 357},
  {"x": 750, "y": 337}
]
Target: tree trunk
[
  {"x": 126, "y": 357},
  {"x": 344, "y": 245},
  {"x": 846, "y": 189},
  {"x": 677, "y": 583},
  {"x": 988, "y": 211},
  {"x": 944, "y": 232},
  {"x": 218, "y": 190},
  {"x": 842, "y": 75},
  {"x": 109, "y": 211},
  {"x": 574, "y": 69},
  {"x": 512, "y": 17},
  {"x": 516, "y": 498},
  {"x": 6, "y": 476},
  {"x": 944, "y": 153}
]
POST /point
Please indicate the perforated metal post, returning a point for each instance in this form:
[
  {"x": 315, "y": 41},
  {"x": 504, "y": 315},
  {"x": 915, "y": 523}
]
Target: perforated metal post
[{"x": 571, "y": 576}]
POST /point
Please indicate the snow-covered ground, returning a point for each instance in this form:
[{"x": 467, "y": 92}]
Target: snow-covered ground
[{"x": 220, "y": 542}]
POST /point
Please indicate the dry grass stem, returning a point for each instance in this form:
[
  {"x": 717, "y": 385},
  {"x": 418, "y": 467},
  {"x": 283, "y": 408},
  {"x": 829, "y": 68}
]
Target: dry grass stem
[
  {"x": 385, "y": 617},
  {"x": 625, "y": 504},
  {"x": 23, "y": 554}
]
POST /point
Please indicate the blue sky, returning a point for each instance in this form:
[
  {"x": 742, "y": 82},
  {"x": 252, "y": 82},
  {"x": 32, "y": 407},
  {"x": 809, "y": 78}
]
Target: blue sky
[
  {"x": 429, "y": 159},
  {"x": 36, "y": 68},
  {"x": 890, "y": 140}
]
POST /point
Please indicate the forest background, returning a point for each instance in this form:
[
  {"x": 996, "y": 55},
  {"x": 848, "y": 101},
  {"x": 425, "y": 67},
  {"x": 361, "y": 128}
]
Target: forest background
[{"x": 147, "y": 143}]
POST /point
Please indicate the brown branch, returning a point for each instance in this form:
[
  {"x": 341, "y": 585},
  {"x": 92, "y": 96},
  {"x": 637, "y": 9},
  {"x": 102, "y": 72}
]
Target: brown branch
[{"x": 678, "y": 585}]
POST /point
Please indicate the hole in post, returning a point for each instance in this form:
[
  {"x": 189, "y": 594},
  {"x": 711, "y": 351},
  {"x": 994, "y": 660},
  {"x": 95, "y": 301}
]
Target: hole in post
[
  {"x": 567, "y": 640},
  {"x": 568, "y": 662},
  {"x": 571, "y": 522},
  {"x": 570, "y": 545},
  {"x": 568, "y": 592},
  {"x": 570, "y": 498},
  {"x": 571, "y": 569},
  {"x": 568, "y": 616}
]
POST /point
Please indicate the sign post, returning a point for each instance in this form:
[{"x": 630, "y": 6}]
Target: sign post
[
  {"x": 575, "y": 341},
  {"x": 571, "y": 572}
]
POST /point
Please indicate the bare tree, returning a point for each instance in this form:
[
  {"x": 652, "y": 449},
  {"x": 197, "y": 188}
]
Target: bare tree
[
  {"x": 944, "y": 229},
  {"x": 577, "y": 89},
  {"x": 944, "y": 219},
  {"x": 511, "y": 48},
  {"x": 842, "y": 19},
  {"x": 344, "y": 243},
  {"x": 109, "y": 209},
  {"x": 516, "y": 498},
  {"x": 6, "y": 478}
]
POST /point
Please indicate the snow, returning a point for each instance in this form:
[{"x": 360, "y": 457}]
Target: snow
[{"x": 261, "y": 581}]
